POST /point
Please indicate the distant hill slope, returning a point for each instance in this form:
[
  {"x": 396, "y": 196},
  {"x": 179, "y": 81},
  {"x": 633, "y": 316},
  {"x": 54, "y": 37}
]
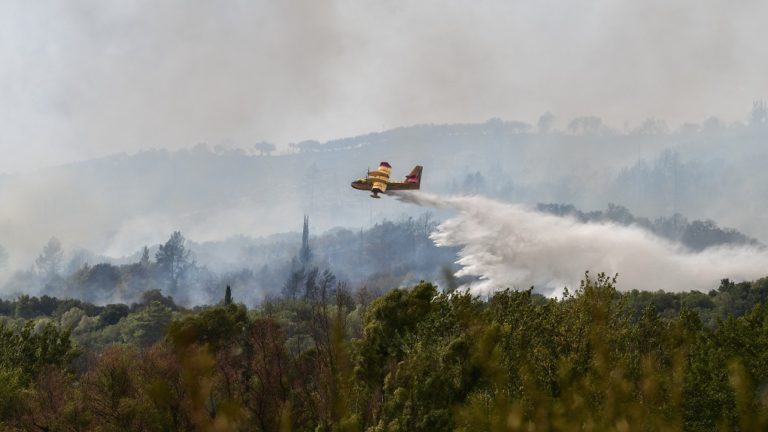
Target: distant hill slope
[
  {"x": 116, "y": 204},
  {"x": 696, "y": 235}
]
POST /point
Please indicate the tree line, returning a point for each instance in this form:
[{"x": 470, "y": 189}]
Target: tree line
[
  {"x": 414, "y": 359},
  {"x": 696, "y": 235}
]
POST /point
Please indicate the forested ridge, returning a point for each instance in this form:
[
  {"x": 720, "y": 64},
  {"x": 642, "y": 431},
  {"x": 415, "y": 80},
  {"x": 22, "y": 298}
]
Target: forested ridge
[{"x": 329, "y": 358}]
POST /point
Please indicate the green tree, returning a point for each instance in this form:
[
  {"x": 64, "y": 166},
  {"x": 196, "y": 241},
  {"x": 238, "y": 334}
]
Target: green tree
[
  {"x": 264, "y": 148},
  {"x": 389, "y": 321},
  {"x": 30, "y": 351},
  {"x": 173, "y": 259},
  {"x": 216, "y": 327},
  {"x": 11, "y": 386},
  {"x": 154, "y": 295},
  {"x": 147, "y": 326},
  {"x": 113, "y": 313}
]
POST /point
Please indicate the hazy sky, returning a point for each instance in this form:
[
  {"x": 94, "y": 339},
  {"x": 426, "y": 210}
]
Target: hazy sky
[{"x": 79, "y": 79}]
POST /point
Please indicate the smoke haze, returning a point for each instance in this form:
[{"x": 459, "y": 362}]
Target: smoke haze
[
  {"x": 83, "y": 79},
  {"x": 513, "y": 246},
  {"x": 121, "y": 122}
]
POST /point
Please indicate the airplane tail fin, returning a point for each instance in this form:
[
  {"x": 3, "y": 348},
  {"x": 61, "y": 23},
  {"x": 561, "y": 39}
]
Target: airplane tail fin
[{"x": 415, "y": 175}]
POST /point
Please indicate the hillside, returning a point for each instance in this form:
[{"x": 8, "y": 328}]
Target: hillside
[{"x": 118, "y": 204}]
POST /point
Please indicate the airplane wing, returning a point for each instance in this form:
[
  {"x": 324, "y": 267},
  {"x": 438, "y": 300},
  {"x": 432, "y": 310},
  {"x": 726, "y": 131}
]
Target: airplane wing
[{"x": 380, "y": 178}]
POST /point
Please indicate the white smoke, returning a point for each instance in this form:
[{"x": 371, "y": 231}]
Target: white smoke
[
  {"x": 83, "y": 78},
  {"x": 513, "y": 246}
]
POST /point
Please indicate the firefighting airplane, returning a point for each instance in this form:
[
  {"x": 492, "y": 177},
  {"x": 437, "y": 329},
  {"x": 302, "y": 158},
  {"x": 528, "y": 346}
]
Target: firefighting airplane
[{"x": 378, "y": 181}]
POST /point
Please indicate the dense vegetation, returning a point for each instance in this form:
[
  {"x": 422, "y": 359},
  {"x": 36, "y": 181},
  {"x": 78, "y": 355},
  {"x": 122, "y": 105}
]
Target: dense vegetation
[
  {"x": 326, "y": 358},
  {"x": 122, "y": 346}
]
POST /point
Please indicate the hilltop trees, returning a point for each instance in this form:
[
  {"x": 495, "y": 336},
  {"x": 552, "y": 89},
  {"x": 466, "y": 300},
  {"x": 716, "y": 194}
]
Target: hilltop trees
[
  {"x": 546, "y": 123},
  {"x": 589, "y": 125},
  {"x": 264, "y": 148}
]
